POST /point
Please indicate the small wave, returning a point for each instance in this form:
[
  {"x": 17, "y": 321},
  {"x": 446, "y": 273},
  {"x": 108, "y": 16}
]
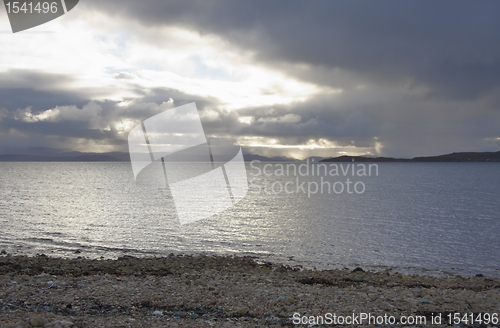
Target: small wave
[
  {"x": 50, "y": 240},
  {"x": 54, "y": 233}
]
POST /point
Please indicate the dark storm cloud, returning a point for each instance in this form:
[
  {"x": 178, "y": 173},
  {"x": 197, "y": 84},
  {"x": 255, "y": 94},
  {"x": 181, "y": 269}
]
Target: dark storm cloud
[
  {"x": 404, "y": 128},
  {"x": 73, "y": 129},
  {"x": 16, "y": 78},
  {"x": 38, "y": 100},
  {"x": 69, "y": 124},
  {"x": 38, "y": 90},
  {"x": 160, "y": 95},
  {"x": 452, "y": 46},
  {"x": 295, "y": 123},
  {"x": 420, "y": 77}
]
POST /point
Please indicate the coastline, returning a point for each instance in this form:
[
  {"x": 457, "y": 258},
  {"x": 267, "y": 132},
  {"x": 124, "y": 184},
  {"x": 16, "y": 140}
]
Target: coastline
[{"x": 219, "y": 291}]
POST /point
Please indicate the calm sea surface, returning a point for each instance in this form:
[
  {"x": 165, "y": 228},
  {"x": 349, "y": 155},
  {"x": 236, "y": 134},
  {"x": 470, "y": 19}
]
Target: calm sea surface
[{"x": 414, "y": 217}]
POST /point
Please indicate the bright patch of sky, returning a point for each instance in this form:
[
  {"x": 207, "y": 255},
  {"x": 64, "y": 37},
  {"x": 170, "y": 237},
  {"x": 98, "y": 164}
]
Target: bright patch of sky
[{"x": 95, "y": 49}]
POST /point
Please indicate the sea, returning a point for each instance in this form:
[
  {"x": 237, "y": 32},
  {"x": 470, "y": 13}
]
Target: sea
[{"x": 413, "y": 218}]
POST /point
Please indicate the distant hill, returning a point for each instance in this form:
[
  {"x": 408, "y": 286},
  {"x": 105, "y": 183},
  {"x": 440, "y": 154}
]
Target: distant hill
[
  {"x": 251, "y": 157},
  {"x": 454, "y": 157},
  {"x": 76, "y": 158},
  {"x": 346, "y": 158},
  {"x": 52, "y": 156},
  {"x": 313, "y": 159},
  {"x": 462, "y": 157}
]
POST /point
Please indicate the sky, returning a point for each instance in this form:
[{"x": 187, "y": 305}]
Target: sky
[{"x": 280, "y": 78}]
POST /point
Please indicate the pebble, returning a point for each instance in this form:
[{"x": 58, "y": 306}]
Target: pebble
[
  {"x": 39, "y": 322},
  {"x": 201, "y": 291},
  {"x": 59, "y": 323},
  {"x": 14, "y": 325}
]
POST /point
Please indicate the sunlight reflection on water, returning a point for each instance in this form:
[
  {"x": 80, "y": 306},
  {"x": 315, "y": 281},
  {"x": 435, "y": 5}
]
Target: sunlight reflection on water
[{"x": 412, "y": 215}]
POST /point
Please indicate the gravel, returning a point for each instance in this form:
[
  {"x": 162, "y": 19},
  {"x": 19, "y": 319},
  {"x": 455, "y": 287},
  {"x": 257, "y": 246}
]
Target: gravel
[{"x": 218, "y": 291}]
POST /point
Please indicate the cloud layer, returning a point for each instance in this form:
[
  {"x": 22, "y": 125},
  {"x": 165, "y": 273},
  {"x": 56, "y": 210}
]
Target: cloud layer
[{"x": 289, "y": 78}]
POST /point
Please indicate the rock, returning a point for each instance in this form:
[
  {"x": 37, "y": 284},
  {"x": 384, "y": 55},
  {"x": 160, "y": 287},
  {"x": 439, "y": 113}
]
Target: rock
[
  {"x": 245, "y": 293},
  {"x": 14, "y": 325},
  {"x": 358, "y": 269},
  {"x": 59, "y": 323},
  {"x": 242, "y": 311},
  {"x": 39, "y": 322},
  {"x": 51, "y": 284}
]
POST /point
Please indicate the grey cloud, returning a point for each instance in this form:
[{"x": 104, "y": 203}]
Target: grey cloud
[
  {"x": 160, "y": 95},
  {"x": 450, "y": 46},
  {"x": 405, "y": 126},
  {"x": 431, "y": 71},
  {"x": 33, "y": 79},
  {"x": 54, "y": 123},
  {"x": 387, "y": 118},
  {"x": 36, "y": 89},
  {"x": 13, "y": 99},
  {"x": 124, "y": 76},
  {"x": 40, "y": 90}
]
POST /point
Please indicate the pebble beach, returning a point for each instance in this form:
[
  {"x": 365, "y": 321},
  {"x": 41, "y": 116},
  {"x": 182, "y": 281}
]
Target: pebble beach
[{"x": 221, "y": 291}]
